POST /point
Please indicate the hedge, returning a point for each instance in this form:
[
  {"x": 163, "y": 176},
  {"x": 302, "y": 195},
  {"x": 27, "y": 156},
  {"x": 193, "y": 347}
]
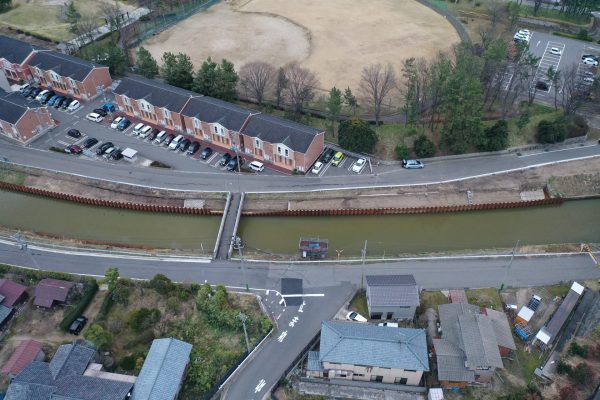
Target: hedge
[{"x": 76, "y": 311}]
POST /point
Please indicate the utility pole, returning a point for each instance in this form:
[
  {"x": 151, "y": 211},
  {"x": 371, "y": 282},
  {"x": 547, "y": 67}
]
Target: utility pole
[
  {"x": 239, "y": 246},
  {"x": 512, "y": 256},
  {"x": 243, "y": 317},
  {"x": 362, "y": 269}
]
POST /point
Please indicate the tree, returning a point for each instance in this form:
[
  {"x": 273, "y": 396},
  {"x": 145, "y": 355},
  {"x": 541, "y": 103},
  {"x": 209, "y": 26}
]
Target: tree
[
  {"x": 111, "y": 277},
  {"x": 571, "y": 96},
  {"x": 583, "y": 374},
  {"x": 256, "y": 78},
  {"x": 402, "y": 152},
  {"x": 523, "y": 119},
  {"x": 376, "y": 84},
  {"x": 280, "y": 86},
  {"x": 495, "y": 137},
  {"x": 143, "y": 318},
  {"x": 120, "y": 294},
  {"x": 72, "y": 15},
  {"x": 178, "y": 70},
  {"x": 356, "y": 135},
  {"x": 437, "y": 85},
  {"x": 301, "y": 85},
  {"x": 227, "y": 82},
  {"x": 112, "y": 14},
  {"x": 5, "y": 4},
  {"x": 334, "y": 106},
  {"x": 424, "y": 147},
  {"x": 216, "y": 80},
  {"x": 553, "y": 75},
  {"x": 108, "y": 54},
  {"x": 146, "y": 64},
  {"x": 568, "y": 393},
  {"x": 84, "y": 28},
  {"x": 162, "y": 284},
  {"x": 97, "y": 335},
  {"x": 350, "y": 100},
  {"x": 411, "y": 95}
]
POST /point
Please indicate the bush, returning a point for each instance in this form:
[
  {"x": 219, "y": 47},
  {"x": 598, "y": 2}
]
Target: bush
[
  {"x": 552, "y": 132},
  {"x": 576, "y": 350},
  {"x": 57, "y": 149},
  {"x": 577, "y": 126},
  {"x": 98, "y": 335},
  {"x": 162, "y": 284},
  {"x": 127, "y": 363},
  {"x": 424, "y": 147},
  {"x": 402, "y": 152},
  {"x": 583, "y": 374},
  {"x": 356, "y": 135},
  {"x": 120, "y": 294},
  {"x": 568, "y": 393},
  {"x": 143, "y": 319},
  {"x": 107, "y": 304},
  {"x": 563, "y": 368},
  {"x": 495, "y": 137},
  {"x": 88, "y": 294}
]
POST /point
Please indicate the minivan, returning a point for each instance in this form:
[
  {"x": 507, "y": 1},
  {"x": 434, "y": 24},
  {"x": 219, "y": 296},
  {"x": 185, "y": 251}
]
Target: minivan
[
  {"x": 160, "y": 137},
  {"x": 256, "y": 166},
  {"x": 41, "y": 94},
  {"x": 145, "y": 131},
  {"x": 138, "y": 128},
  {"x": 175, "y": 142}
]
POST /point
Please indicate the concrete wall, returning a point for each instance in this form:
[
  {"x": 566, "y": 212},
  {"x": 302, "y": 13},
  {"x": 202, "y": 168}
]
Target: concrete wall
[{"x": 366, "y": 373}]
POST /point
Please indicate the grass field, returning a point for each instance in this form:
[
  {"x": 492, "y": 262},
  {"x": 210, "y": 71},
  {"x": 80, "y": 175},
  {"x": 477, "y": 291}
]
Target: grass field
[{"x": 334, "y": 38}]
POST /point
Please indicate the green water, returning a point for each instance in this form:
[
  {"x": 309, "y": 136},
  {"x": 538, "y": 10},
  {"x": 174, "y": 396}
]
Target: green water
[{"x": 571, "y": 222}]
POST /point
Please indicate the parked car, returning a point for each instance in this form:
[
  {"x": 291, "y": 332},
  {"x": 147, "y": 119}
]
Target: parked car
[
  {"x": 89, "y": 142},
  {"x": 46, "y": 97},
  {"x": 100, "y": 111},
  {"x": 194, "y": 147},
  {"x": 256, "y": 166},
  {"x": 27, "y": 91},
  {"x": 225, "y": 158},
  {"x": 556, "y": 51},
  {"x": 33, "y": 94},
  {"x": 115, "y": 122},
  {"x": 116, "y": 155},
  {"x": 74, "y": 133},
  {"x": 123, "y": 125},
  {"x": 590, "y": 61},
  {"x": 108, "y": 107},
  {"x": 168, "y": 139},
  {"x": 356, "y": 317},
  {"x": 24, "y": 87},
  {"x": 78, "y": 325},
  {"x": 232, "y": 165},
  {"x": 109, "y": 151},
  {"x": 588, "y": 79},
  {"x": 359, "y": 165},
  {"x": 327, "y": 155},
  {"x": 59, "y": 102},
  {"x": 53, "y": 99},
  {"x": 145, "y": 132},
  {"x": 412, "y": 164},
  {"x": 41, "y": 94},
  {"x": 541, "y": 85},
  {"x": 388, "y": 324},
  {"x": 207, "y": 152},
  {"x": 337, "y": 159},
  {"x": 65, "y": 105},
  {"x": 103, "y": 147},
  {"x": 184, "y": 145},
  {"x": 74, "y": 149},
  {"x": 138, "y": 128},
  {"x": 174, "y": 145},
  {"x": 74, "y": 105},
  {"x": 317, "y": 168},
  {"x": 592, "y": 56},
  {"x": 162, "y": 135},
  {"x": 94, "y": 117},
  {"x": 153, "y": 135}
]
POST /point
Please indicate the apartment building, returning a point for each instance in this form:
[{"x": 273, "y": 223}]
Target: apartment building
[{"x": 21, "y": 122}]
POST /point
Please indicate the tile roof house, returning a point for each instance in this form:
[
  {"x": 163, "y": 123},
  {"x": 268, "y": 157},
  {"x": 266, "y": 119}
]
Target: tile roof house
[
  {"x": 12, "y": 292},
  {"x": 392, "y": 296},
  {"x": 13, "y": 58},
  {"x": 363, "y": 352},
  {"x": 163, "y": 371},
  {"x": 19, "y": 121},
  {"x": 26, "y": 352},
  {"x": 50, "y": 291},
  {"x": 473, "y": 341},
  {"x": 63, "y": 379},
  {"x": 69, "y": 75}
]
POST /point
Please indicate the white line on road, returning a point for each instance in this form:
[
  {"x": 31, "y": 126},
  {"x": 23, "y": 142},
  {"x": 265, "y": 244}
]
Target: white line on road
[
  {"x": 260, "y": 385},
  {"x": 281, "y": 337},
  {"x": 553, "y": 151},
  {"x": 304, "y": 295}
]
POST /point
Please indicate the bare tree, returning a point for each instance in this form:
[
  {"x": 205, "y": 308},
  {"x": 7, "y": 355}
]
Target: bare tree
[
  {"x": 301, "y": 85},
  {"x": 256, "y": 78},
  {"x": 112, "y": 14},
  {"x": 572, "y": 96},
  {"x": 376, "y": 84},
  {"x": 86, "y": 28},
  {"x": 280, "y": 85}
]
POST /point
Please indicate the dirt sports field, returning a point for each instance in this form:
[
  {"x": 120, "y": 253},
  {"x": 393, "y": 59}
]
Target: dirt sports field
[{"x": 334, "y": 38}]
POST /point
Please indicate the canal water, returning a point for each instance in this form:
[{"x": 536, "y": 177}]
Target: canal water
[
  {"x": 389, "y": 235},
  {"x": 109, "y": 225}
]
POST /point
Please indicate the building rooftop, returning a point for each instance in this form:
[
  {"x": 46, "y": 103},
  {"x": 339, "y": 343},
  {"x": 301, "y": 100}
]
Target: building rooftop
[
  {"x": 560, "y": 316},
  {"x": 212, "y": 110},
  {"x": 25, "y": 353},
  {"x": 50, "y": 290},
  {"x": 11, "y": 291},
  {"x": 392, "y": 290},
  {"x": 156, "y": 93},
  {"x": 15, "y": 51},
  {"x": 268, "y": 128},
  {"x": 63, "y": 64},
  {"x": 12, "y": 106}
]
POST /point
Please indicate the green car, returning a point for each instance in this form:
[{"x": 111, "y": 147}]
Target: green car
[{"x": 337, "y": 159}]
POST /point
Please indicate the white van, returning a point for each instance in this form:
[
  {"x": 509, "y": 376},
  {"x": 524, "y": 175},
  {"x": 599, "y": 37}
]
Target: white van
[
  {"x": 145, "y": 131},
  {"x": 162, "y": 135},
  {"x": 256, "y": 166},
  {"x": 175, "y": 142},
  {"x": 138, "y": 128}
]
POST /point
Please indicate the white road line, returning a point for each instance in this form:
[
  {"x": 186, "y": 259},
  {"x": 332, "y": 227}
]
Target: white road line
[
  {"x": 325, "y": 168},
  {"x": 260, "y": 385},
  {"x": 304, "y": 295}
]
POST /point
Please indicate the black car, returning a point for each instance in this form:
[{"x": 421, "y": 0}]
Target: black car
[
  {"x": 66, "y": 103},
  {"x": 102, "y": 148},
  {"x": 153, "y": 135},
  {"x": 74, "y": 133},
  {"x": 541, "y": 85},
  {"x": 89, "y": 142},
  {"x": 327, "y": 155},
  {"x": 58, "y": 102},
  {"x": 232, "y": 165},
  {"x": 78, "y": 325},
  {"x": 34, "y": 92},
  {"x": 169, "y": 139},
  {"x": 206, "y": 153},
  {"x": 27, "y": 91},
  {"x": 101, "y": 111},
  {"x": 194, "y": 147},
  {"x": 225, "y": 158},
  {"x": 184, "y": 145},
  {"x": 116, "y": 155}
]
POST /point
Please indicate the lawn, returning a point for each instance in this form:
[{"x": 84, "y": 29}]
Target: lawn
[
  {"x": 558, "y": 290},
  {"x": 432, "y": 299},
  {"x": 485, "y": 298}
]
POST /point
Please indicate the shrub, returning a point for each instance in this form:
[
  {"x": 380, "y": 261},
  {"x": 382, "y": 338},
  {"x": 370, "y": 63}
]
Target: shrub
[
  {"x": 552, "y": 132},
  {"x": 495, "y": 137},
  {"x": 576, "y": 350},
  {"x": 98, "y": 335},
  {"x": 577, "y": 126},
  {"x": 89, "y": 291},
  {"x": 127, "y": 363},
  {"x": 563, "y": 368},
  {"x": 356, "y": 135},
  {"x": 583, "y": 374},
  {"x": 402, "y": 152},
  {"x": 162, "y": 284},
  {"x": 568, "y": 393},
  {"x": 143, "y": 319},
  {"x": 424, "y": 147},
  {"x": 57, "y": 149},
  {"x": 120, "y": 294}
]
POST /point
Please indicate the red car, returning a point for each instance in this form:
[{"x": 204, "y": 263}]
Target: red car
[{"x": 74, "y": 149}]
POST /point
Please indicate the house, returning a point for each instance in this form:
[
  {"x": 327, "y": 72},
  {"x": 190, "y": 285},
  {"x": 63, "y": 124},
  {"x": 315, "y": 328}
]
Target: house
[
  {"x": 163, "y": 371},
  {"x": 64, "y": 378},
  {"x": 19, "y": 121},
  {"x": 26, "y": 352},
  {"x": 392, "y": 296},
  {"x": 69, "y": 75},
  {"x": 548, "y": 333},
  {"x": 50, "y": 291},
  {"x": 13, "y": 58},
  {"x": 363, "y": 352},
  {"x": 11, "y": 293},
  {"x": 472, "y": 344}
]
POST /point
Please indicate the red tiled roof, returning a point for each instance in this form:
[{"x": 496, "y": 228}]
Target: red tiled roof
[
  {"x": 11, "y": 291},
  {"x": 25, "y": 353},
  {"x": 50, "y": 290}
]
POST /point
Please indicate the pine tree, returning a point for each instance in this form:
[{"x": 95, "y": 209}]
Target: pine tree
[{"x": 146, "y": 64}]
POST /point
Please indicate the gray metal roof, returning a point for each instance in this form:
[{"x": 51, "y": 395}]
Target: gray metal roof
[
  {"x": 24, "y": 391},
  {"x": 502, "y": 329},
  {"x": 562, "y": 313},
  {"x": 364, "y": 344},
  {"x": 158, "y": 94},
  {"x": 271, "y": 129},
  {"x": 391, "y": 280},
  {"x": 479, "y": 341},
  {"x": 392, "y": 291},
  {"x": 15, "y": 51},
  {"x": 163, "y": 369},
  {"x": 313, "y": 363},
  {"x": 91, "y": 388},
  {"x": 212, "y": 110},
  {"x": 63, "y": 65},
  {"x": 451, "y": 362},
  {"x": 70, "y": 360},
  {"x": 12, "y": 106},
  {"x": 5, "y": 313}
]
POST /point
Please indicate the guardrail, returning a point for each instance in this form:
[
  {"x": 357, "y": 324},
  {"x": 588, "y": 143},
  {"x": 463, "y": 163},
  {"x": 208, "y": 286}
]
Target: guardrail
[{"x": 225, "y": 211}]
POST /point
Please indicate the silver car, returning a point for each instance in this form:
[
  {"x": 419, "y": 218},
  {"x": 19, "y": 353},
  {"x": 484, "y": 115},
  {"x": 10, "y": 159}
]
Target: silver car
[{"x": 412, "y": 164}]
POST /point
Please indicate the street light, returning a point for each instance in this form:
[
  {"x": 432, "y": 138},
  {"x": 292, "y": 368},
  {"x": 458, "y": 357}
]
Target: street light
[{"x": 239, "y": 245}]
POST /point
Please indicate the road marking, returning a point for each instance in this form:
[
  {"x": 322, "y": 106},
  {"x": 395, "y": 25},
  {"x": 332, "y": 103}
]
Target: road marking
[
  {"x": 63, "y": 143},
  {"x": 260, "y": 385},
  {"x": 282, "y": 336},
  {"x": 301, "y": 309},
  {"x": 554, "y": 151},
  {"x": 304, "y": 295}
]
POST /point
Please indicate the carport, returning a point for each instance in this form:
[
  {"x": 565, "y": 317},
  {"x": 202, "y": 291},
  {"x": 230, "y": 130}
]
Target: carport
[{"x": 130, "y": 154}]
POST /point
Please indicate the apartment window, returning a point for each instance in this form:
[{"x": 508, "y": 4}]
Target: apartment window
[
  {"x": 126, "y": 100},
  {"x": 197, "y": 123},
  {"x": 278, "y": 149},
  {"x": 287, "y": 153},
  {"x": 401, "y": 381},
  {"x": 216, "y": 130},
  {"x": 167, "y": 113},
  {"x": 257, "y": 143}
]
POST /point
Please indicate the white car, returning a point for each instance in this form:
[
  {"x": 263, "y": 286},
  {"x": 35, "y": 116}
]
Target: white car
[
  {"x": 356, "y": 317},
  {"x": 590, "y": 61},
  {"x": 74, "y": 105},
  {"x": 388, "y": 324},
  {"x": 412, "y": 164},
  {"x": 317, "y": 168},
  {"x": 41, "y": 94},
  {"x": 556, "y": 51},
  {"x": 94, "y": 117},
  {"x": 588, "y": 79},
  {"x": 359, "y": 165},
  {"x": 524, "y": 32},
  {"x": 116, "y": 122}
]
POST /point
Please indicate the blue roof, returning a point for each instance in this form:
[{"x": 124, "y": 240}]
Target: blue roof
[
  {"x": 371, "y": 345},
  {"x": 163, "y": 369}
]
